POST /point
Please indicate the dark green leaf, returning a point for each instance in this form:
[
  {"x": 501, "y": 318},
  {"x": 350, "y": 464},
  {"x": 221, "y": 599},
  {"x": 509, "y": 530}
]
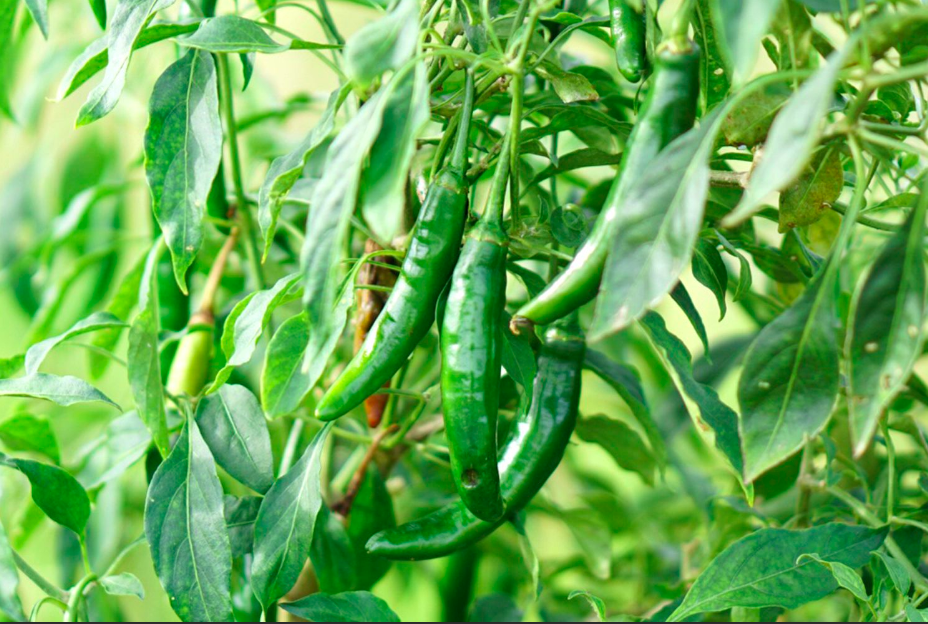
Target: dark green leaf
[
  {"x": 284, "y": 529},
  {"x": 186, "y": 531},
  {"x": 811, "y": 197},
  {"x": 235, "y": 430},
  {"x": 749, "y": 121},
  {"x": 371, "y": 513},
  {"x": 346, "y": 607},
  {"x": 95, "y": 322},
  {"x": 10, "y": 604},
  {"x": 183, "y": 148},
  {"x": 124, "y": 584},
  {"x": 761, "y": 570},
  {"x": 123, "y": 444},
  {"x": 886, "y": 333},
  {"x": 283, "y": 383},
  {"x": 597, "y": 604},
  {"x": 384, "y": 44},
  {"x": 231, "y": 34},
  {"x": 709, "y": 270},
  {"x": 622, "y": 443},
  {"x": 99, "y": 11},
  {"x": 333, "y": 554},
  {"x": 681, "y": 297},
  {"x": 240, "y": 514},
  {"x": 55, "y": 491},
  {"x": 897, "y": 572},
  {"x": 845, "y": 576},
  {"x": 128, "y": 20},
  {"x": 741, "y": 25},
  {"x": 64, "y": 391},
  {"x": 33, "y": 434}
]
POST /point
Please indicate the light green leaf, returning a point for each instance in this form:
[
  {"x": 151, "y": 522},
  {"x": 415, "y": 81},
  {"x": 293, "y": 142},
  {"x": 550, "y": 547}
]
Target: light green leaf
[
  {"x": 186, "y": 530},
  {"x": 286, "y": 170},
  {"x": 127, "y": 22},
  {"x": 659, "y": 225},
  {"x": 383, "y": 45},
  {"x": 916, "y": 615},
  {"x": 761, "y": 570},
  {"x": 39, "y": 11},
  {"x": 283, "y": 382},
  {"x": 183, "y": 149},
  {"x": 231, "y": 34},
  {"x": 124, "y": 584},
  {"x": 596, "y": 603},
  {"x": 33, "y": 434},
  {"x": 64, "y": 391},
  {"x": 793, "y": 138},
  {"x": 568, "y": 86},
  {"x": 741, "y": 25},
  {"x": 844, "y": 575},
  {"x": 886, "y": 333},
  {"x": 123, "y": 443},
  {"x": 346, "y": 607},
  {"x": 284, "y": 529},
  {"x": 10, "y": 604},
  {"x": 245, "y": 325},
  {"x": 622, "y": 443},
  {"x": 95, "y": 322},
  {"x": 235, "y": 430},
  {"x": 55, "y": 491}
]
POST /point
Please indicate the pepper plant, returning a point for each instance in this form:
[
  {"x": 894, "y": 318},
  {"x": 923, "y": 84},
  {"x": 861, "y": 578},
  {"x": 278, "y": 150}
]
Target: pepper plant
[{"x": 458, "y": 309}]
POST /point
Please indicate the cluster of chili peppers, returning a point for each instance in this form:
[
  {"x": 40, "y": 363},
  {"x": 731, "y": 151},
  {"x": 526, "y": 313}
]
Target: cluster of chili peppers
[{"x": 470, "y": 280}]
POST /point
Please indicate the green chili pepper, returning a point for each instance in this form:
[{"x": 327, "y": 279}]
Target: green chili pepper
[
  {"x": 669, "y": 112},
  {"x": 471, "y": 353},
  {"x": 541, "y": 433},
  {"x": 409, "y": 312},
  {"x": 629, "y": 32}
]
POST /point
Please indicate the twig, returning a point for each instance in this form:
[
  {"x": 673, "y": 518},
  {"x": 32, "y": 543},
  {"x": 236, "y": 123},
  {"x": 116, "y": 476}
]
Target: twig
[{"x": 343, "y": 507}]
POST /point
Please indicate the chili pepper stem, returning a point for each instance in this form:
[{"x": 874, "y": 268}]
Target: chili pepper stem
[{"x": 459, "y": 158}]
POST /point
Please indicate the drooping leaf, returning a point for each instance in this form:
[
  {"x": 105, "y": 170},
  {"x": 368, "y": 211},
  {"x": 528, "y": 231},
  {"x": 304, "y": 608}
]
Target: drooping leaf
[
  {"x": 39, "y": 11},
  {"x": 124, "y": 584},
  {"x": 55, "y": 491},
  {"x": 346, "y": 607},
  {"x": 123, "y": 444},
  {"x": 709, "y": 270},
  {"x": 659, "y": 227},
  {"x": 231, "y": 34},
  {"x": 762, "y": 569},
  {"x": 183, "y": 149},
  {"x": 622, "y": 443},
  {"x": 844, "y": 575},
  {"x": 897, "y": 572},
  {"x": 235, "y": 430},
  {"x": 384, "y": 44},
  {"x": 246, "y": 323},
  {"x": 99, "y": 12},
  {"x": 128, "y": 20},
  {"x": 886, "y": 333},
  {"x": 286, "y": 170},
  {"x": 595, "y": 602},
  {"x": 814, "y": 193},
  {"x": 741, "y": 25},
  {"x": 793, "y": 138},
  {"x": 284, "y": 529},
  {"x": 64, "y": 391},
  {"x": 681, "y": 297},
  {"x": 95, "y": 322},
  {"x": 283, "y": 383},
  {"x": 186, "y": 531},
  {"x": 33, "y": 434},
  {"x": 144, "y": 358}
]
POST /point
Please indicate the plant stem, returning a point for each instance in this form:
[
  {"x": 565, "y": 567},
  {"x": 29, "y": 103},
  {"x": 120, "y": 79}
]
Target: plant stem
[
  {"x": 85, "y": 556},
  {"x": 891, "y": 471},
  {"x": 329, "y": 22},
  {"x": 213, "y": 281},
  {"x": 76, "y": 598},
  {"x": 293, "y": 441},
  {"x": 40, "y": 581},
  {"x": 344, "y": 506},
  {"x": 247, "y": 223}
]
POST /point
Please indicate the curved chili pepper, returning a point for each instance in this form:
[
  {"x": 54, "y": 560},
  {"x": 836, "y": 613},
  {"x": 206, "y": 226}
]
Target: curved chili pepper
[
  {"x": 669, "y": 112},
  {"x": 629, "y": 32},
  {"x": 471, "y": 353},
  {"x": 542, "y": 431},
  {"x": 409, "y": 312}
]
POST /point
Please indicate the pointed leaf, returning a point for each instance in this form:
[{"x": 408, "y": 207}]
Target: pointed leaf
[
  {"x": 383, "y": 45},
  {"x": 55, "y": 491},
  {"x": 844, "y": 575},
  {"x": 64, "y": 391},
  {"x": 124, "y": 584},
  {"x": 346, "y": 607},
  {"x": 283, "y": 383},
  {"x": 741, "y": 25},
  {"x": 39, "y": 11},
  {"x": 231, "y": 34},
  {"x": 709, "y": 270},
  {"x": 123, "y": 444},
  {"x": 622, "y": 443},
  {"x": 186, "y": 531},
  {"x": 95, "y": 322},
  {"x": 33, "y": 434}
]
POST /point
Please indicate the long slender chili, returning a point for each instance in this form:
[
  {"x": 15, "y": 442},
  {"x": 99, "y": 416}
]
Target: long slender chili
[
  {"x": 669, "y": 111},
  {"x": 629, "y": 33},
  {"x": 409, "y": 312},
  {"x": 540, "y": 436},
  {"x": 471, "y": 355}
]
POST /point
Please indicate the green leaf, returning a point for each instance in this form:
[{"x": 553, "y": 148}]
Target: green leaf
[
  {"x": 346, "y": 607},
  {"x": 659, "y": 226},
  {"x": 810, "y": 198},
  {"x": 235, "y": 430},
  {"x": 371, "y": 513},
  {"x": 10, "y": 604},
  {"x": 793, "y": 138},
  {"x": 761, "y": 570},
  {"x": 622, "y": 443},
  {"x": 8, "y": 10},
  {"x": 231, "y": 34},
  {"x": 897, "y": 572},
  {"x": 286, "y": 170},
  {"x": 495, "y": 608},
  {"x": 55, "y": 491},
  {"x": 383, "y": 45},
  {"x": 245, "y": 325},
  {"x": 241, "y": 514},
  {"x": 596, "y": 603},
  {"x": 99, "y": 11},
  {"x": 845, "y": 576},
  {"x": 384, "y": 181},
  {"x": 124, "y": 28},
  {"x": 916, "y": 615},
  {"x": 11, "y": 366},
  {"x": 283, "y": 382},
  {"x": 39, "y": 11},
  {"x": 95, "y": 322},
  {"x": 568, "y": 86},
  {"x": 681, "y": 297},
  {"x": 748, "y": 123},
  {"x": 144, "y": 357},
  {"x": 32, "y": 434},
  {"x": 64, "y": 391},
  {"x": 186, "y": 531},
  {"x": 284, "y": 529},
  {"x": 714, "y": 75},
  {"x": 886, "y": 334},
  {"x": 741, "y": 25},
  {"x": 183, "y": 149},
  {"x": 124, "y": 584},
  {"x": 123, "y": 443},
  {"x": 709, "y": 270},
  {"x": 333, "y": 554},
  {"x": 95, "y": 57},
  {"x": 705, "y": 407}
]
